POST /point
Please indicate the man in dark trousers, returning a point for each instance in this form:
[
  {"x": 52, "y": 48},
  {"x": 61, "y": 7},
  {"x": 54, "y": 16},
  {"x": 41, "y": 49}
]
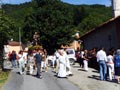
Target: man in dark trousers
[{"x": 38, "y": 59}]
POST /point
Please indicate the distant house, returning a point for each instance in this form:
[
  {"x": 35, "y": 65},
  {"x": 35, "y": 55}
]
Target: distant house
[
  {"x": 107, "y": 34},
  {"x": 12, "y": 45},
  {"x": 75, "y": 44}
]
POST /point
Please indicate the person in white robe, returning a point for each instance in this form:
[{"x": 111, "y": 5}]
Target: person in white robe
[
  {"x": 31, "y": 63},
  {"x": 62, "y": 65},
  {"x": 57, "y": 61},
  {"x": 85, "y": 61},
  {"x": 68, "y": 67},
  {"x": 21, "y": 62}
]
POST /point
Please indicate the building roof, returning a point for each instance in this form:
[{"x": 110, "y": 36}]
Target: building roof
[
  {"x": 100, "y": 26},
  {"x": 13, "y": 43}
]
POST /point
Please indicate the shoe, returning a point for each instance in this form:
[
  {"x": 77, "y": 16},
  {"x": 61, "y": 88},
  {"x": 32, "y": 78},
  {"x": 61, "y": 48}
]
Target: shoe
[{"x": 40, "y": 77}]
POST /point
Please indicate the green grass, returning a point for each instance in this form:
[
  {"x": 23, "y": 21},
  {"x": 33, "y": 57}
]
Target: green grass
[{"x": 3, "y": 78}]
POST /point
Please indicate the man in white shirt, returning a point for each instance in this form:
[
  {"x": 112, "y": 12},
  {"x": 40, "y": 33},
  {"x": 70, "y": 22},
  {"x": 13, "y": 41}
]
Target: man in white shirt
[{"x": 102, "y": 59}]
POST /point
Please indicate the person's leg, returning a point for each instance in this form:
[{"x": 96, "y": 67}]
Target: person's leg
[
  {"x": 13, "y": 63},
  {"x": 31, "y": 68},
  {"x": 87, "y": 65},
  {"x": 38, "y": 69},
  {"x": 104, "y": 71},
  {"x": 101, "y": 71},
  {"x": 20, "y": 67},
  {"x": 57, "y": 66},
  {"x": 110, "y": 73},
  {"x": 84, "y": 64},
  {"x": 42, "y": 65},
  {"x": 45, "y": 65}
]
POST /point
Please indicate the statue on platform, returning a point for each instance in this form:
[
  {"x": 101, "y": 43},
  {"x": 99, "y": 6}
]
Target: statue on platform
[{"x": 36, "y": 39}]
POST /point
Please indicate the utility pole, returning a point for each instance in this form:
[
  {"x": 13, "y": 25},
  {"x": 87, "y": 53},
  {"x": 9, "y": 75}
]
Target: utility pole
[{"x": 20, "y": 38}]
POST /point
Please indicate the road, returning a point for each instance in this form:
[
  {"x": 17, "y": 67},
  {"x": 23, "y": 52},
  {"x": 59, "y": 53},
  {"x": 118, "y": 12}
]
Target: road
[
  {"x": 28, "y": 82},
  {"x": 81, "y": 80}
]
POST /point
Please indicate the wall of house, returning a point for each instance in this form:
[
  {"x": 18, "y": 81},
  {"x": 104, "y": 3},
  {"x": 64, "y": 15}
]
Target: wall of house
[
  {"x": 106, "y": 36},
  {"x": 9, "y": 49},
  {"x": 74, "y": 45}
]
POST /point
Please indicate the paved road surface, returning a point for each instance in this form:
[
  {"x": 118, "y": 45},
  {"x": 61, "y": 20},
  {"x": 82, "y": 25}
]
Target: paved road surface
[
  {"x": 28, "y": 82},
  {"x": 84, "y": 80}
]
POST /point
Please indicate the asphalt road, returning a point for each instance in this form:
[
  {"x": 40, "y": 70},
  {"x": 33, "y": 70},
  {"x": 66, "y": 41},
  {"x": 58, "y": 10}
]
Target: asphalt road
[{"x": 28, "y": 82}]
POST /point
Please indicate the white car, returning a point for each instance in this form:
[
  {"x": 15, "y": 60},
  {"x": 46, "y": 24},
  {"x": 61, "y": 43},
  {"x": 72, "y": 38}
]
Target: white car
[{"x": 71, "y": 55}]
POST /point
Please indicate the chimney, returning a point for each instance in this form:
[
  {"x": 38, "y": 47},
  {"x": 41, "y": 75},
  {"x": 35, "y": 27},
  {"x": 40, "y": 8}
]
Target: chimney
[{"x": 115, "y": 8}]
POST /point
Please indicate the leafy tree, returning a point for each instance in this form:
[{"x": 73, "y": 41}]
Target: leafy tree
[
  {"x": 50, "y": 17},
  {"x": 54, "y": 23},
  {"x": 92, "y": 20},
  {"x": 79, "y": 14},
  {"x": 7, "y": 29}
]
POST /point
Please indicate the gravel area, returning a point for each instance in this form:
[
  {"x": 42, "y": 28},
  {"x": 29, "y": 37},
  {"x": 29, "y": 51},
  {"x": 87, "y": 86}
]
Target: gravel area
[{"x": 90, "y": 80}]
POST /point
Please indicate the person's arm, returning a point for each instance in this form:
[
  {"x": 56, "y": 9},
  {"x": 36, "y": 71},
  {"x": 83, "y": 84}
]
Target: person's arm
[{"x": 105, "y": 57}]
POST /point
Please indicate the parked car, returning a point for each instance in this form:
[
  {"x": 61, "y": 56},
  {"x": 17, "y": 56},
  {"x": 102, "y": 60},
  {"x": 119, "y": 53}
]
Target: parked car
[{"x": 71, "y": 55}]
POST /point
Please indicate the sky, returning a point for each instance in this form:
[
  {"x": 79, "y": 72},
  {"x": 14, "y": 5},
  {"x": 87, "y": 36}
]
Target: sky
[{"x": 76, "y": 2}]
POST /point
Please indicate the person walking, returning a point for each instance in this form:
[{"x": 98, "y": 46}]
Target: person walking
[
  {"x": 102, "y": 59},
  {"x": 13, "y": 59},
  {"x": 117, "y": 65},
  {"x": 62, "y": 65},
  {"x": 68, "y": 67},
  {"x": 30, "y": 63},
  {"x": 21, "y": 62},
  {"x": 110, "y": 65},
  {"x": 57, "y": 55},
  {"x": 44, "y": 61},
  {"x": 38, "y": 59},
  {"x": 85, "y": 60}
]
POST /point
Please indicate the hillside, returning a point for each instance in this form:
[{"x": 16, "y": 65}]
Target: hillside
[
  {"x": 56, "y": 21},
  {"x": 19, "y": 12}
]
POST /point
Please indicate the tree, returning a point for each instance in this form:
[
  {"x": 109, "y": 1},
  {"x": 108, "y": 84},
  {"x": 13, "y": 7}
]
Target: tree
[
  {"x": 90, "y": 22},
  {"x": 54, "y": 23},
  {"x": 7, "y": 29}
]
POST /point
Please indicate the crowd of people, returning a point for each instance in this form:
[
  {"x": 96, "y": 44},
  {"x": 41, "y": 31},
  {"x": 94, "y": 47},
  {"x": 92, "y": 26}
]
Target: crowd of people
[
  {"x": 106, "y": 62},
  {"x": 28, "y": 61}
]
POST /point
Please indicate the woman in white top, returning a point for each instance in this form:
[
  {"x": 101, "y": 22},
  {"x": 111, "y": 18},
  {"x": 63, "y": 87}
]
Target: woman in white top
[
  {"x": 85, "y": 61},
  {"x": 21, "y": 62},
  {"x": 110, "y": 65}
]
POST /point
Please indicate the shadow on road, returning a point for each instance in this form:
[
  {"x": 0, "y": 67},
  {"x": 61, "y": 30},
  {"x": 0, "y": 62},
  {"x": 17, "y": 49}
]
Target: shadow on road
[
  {"x": 94, "y": 77},
  {"x": 82, "y": 70}
]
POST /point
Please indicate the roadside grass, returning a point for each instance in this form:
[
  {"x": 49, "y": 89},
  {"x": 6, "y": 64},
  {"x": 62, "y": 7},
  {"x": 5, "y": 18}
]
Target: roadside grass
[{"x": 3, "y": 78}]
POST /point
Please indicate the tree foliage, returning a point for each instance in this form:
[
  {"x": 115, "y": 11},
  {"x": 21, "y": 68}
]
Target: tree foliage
[
  {"x": 54, "y": 23},
  {"x": 7, "y": 30}
]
